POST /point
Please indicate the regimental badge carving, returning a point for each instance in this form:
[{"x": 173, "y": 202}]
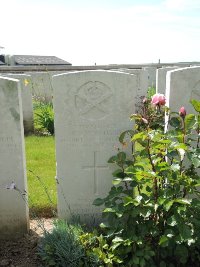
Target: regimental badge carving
[{"x": 93, "y": 100}]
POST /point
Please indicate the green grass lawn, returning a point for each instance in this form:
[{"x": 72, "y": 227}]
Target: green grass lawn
[{"x": 40, "y": 161}]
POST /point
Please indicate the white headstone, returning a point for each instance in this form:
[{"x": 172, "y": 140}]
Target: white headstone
[
  {"x": 42, "y": 85},
  {"x": 161, "y": 79},
  {"x": 151, "y": 76},
  {"x": 182, "y": 85},
  {"x": 142, "y": 80},
  {"x": 91, "y": 109},
  {"x": 27, "y": 103},
  {"x": 13, "y": 208}
]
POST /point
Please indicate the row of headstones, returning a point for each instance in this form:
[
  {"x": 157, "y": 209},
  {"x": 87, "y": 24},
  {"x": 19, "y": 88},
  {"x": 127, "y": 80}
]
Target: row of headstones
[
  {"x": 38, "y": 86},
  {"x": 91, "y": 109}
]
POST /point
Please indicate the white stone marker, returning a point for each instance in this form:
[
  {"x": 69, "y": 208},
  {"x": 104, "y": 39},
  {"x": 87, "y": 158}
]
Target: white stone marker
[
  {"x": 13, "y": 209},
  {"x": 27, "y": 103},
  {"x": 142, "y": 80},
  {"x": 151, "y": 76},
  {"x": 91, "y": 109},
  {"x": 161, "y": 79},
  {"x": 42, "y": 85},
  {"x": 182, "y": 85}
]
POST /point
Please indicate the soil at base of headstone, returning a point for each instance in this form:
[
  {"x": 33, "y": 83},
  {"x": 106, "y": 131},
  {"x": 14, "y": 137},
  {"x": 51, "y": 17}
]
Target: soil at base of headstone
[{"x": 24, "y": 251}]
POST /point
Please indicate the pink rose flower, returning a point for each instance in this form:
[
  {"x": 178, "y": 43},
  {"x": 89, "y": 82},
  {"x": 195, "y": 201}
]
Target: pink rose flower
[
  {"x": 158, "y": 99},
  {"x": 182, "y": 112}
]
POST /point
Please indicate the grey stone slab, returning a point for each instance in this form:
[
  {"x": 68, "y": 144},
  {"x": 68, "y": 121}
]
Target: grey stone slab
[
  {"x": 182, "y": 85},
  {"x": 142, "y": 80},
  {"x": 161, "y": 78},
  {"x": 91, "y": 109},
  {"x": 13, "y": 208},
  {"x": 27, "y": 103},
  {"x": 42, "y": 85},
  {"x": 151, "y": 76}
]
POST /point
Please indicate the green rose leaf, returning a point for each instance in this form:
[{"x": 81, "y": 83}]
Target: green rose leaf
[
  {"x": 109, "y": 210},
  {"x": 98, "y": 202},
  {"x": 118, "y": 173},
  {"x": 190, "y": 121},
  {"x": 175, "y": 122},
  {"x": 182, "y": 253},
  {"x": 172, "y": 221},
  {"x": 117, "y": 239},
  {"x": 168, "y": 204},
  {"x": 116, "y": 181},
  {"x": 122, "y": 135},
  {"x": 163, "y": 242},
  {"x": 121, "y": 156},
  {"x": 185, "y": 231},
  {"x": 196, "y": 104},
  {"x": 183, "y": 201},
  {"x": 113, "y": 159}
]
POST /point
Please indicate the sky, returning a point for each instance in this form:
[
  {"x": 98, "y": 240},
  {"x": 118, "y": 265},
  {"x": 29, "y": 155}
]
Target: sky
[{"x": 88, "y": 32}]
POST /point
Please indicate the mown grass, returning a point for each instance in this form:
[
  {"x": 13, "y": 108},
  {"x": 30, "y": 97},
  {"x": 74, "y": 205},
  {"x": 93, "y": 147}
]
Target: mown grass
[{"x": 41, "y": 171}]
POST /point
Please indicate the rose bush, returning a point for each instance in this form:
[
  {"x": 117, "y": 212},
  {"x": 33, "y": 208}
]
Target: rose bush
[{"x": 152, "y": 212}]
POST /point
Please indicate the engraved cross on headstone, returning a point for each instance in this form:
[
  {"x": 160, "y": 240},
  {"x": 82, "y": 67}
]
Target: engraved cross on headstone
[{"x": 95, "y": 167}]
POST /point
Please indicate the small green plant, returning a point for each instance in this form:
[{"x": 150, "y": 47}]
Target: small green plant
[
  {"x": 152, "y": 212},
  {"x": 44, "y": 117},
  {"x": 63, "y": 247}
]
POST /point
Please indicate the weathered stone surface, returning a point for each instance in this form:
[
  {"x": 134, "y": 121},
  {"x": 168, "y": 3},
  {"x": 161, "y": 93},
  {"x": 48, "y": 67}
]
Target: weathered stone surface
[
  {"x": 141, "y": 78},
  {"x": 27, "y": 103},
  {"x": 13, "y": 207},
  {"x": 182, "y": 85},
  {"x": 42, "y": 85},
  {"x": 151, "y": 76},
  {"x": 91, "y": 109},
  {"x": 161, "y": 79}
]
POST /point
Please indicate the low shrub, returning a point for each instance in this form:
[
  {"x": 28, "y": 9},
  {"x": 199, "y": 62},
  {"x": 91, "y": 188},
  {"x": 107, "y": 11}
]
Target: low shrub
[{"x": 63, "y": 247}]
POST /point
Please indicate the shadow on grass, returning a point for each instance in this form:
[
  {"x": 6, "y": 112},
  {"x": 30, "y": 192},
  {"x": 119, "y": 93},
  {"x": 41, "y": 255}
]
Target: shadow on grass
[{"x": 43, "y": 212}]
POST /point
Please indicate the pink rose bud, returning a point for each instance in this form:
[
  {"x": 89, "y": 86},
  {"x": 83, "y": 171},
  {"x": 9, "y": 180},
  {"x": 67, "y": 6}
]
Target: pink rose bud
[
  {"x": 145, "y": 100},
  {"x": 145, "y": 121},
  {"x": 158, "y": 99},
  {"x": 182, "y": 112}
]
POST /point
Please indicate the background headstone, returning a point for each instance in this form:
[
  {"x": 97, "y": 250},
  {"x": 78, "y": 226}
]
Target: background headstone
[
  {"x": 182, "y": 85},
  {"x": 42, "y": 85},
  {"x": 91, "y": 109},
  {"x": 27, "y": 103},
  {"x": 151, "y": 76},
  {"x": 142, "y": 80},
  {"x": 161, "y": 79},
  {"x": 13, "y": 208}
]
